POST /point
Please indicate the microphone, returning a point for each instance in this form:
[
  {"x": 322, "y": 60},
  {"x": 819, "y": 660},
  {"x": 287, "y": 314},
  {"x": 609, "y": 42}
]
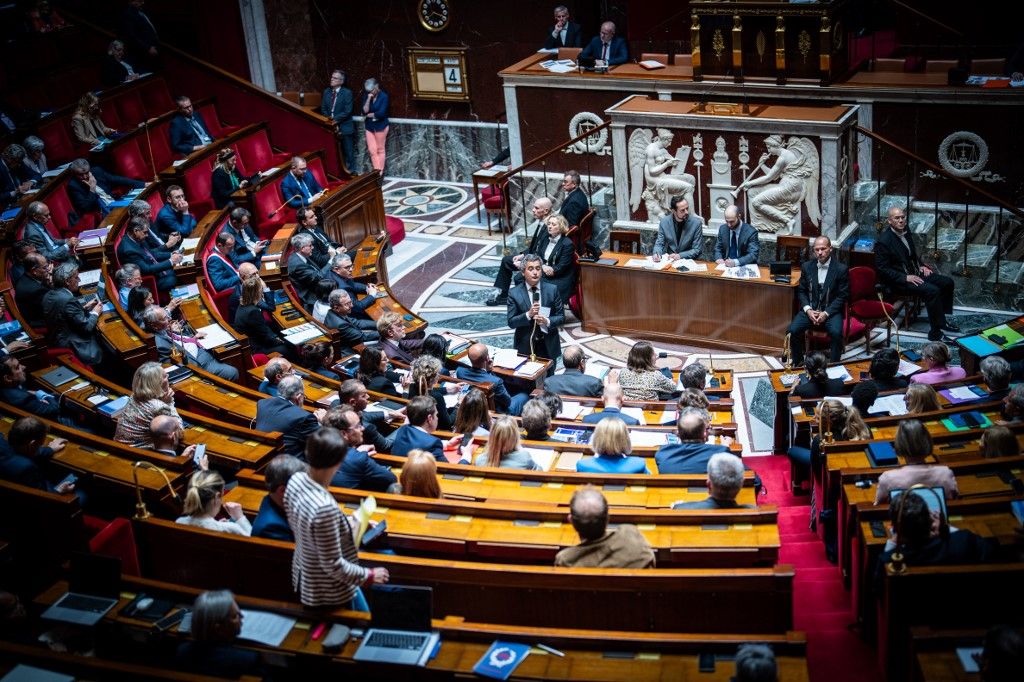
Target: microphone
[
  {"x": 274, "y": 212},
  {"x": 140, "y": 507},
  {"x": 881, "y": 301},
  {"x": 533, "y": 333}
]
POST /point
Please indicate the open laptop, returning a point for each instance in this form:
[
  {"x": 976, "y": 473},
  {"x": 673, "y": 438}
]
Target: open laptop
[
  {"x": 399, "y": 626},
  {"x": 94, "y": 587}
]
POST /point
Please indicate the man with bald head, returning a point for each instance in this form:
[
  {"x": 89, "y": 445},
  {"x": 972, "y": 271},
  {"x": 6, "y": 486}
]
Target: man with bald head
[
  {"x": 612, "y": 398},
  {"x": 510, "y": 265},
  {"x": 823, "y": 292},
  {"x": 737, "y": 241},
  {"x": 166, "y": 432},
  {"x": 606, "y": 49},
  {"x": 623, "y": 547},
  {"x": 574, "y": 380},
  {"x": 901, "y": 270},
  {"x": 692, "y": 453},
  {"x": 480, "y": 372}
]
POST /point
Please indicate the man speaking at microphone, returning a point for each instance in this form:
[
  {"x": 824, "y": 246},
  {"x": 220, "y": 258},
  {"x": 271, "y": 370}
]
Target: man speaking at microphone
[{"x": 535, "y": 313}]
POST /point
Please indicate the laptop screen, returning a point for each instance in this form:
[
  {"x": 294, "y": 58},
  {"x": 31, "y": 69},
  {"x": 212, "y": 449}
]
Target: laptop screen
[
  {"x": 95, "y": 574},
  {"x": 401, "y": 607},
  {"x": 935, "y": 498}
]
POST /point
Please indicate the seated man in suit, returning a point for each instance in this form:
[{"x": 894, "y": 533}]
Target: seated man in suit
[
  {"x": 91, "y": 190},
  {"x": 574, "y": 380},
  {"x": 140, "y": 208},
  {"x": 606, "y": 48},
  {"x": 220, "y": 268},
  {"x": 299, "y": 186},
  {"x": 692, "y": 453},
  {"x": 622, "y": 547},
  {"x": 271, "y": 522},
  {"x": 823, "y": 291},
  {"x": 24, "y": 458},
  {"x": 393, "y": 342},
  {"x": 358, "y": 470},
  {"x": 904, "y": 272},
  {"x": 353, "y": 392},
  {"x": 324, "y": 248},
  {"x": 73, "y": 324},
  {"x": 535, "y": 312},
  {"x": 174, "y": 217},
  {"x": 575, "y": 203},
  {"x": 419, "y": 432},
  {"x": 248, "y": 248},
  {"x": 725, "y": 480},
  {"x": 564, "y": 33},
  {"x": 339, "y": 271},
  {"x": 31, "y": 287},
  {"x": 20, "y": 250},
  {"x": 39, "y": 402},
  {"x": 480, "y": 372},
  {"x": 612, "y": 398},
  {"x": 275, "y": 370},
  {"x": 737, "y": 242},
  {"x": 284, "y": 413},
  {"x": 510, "y": 265},
  {"x": 127, "y": 277},
  {"x": 132, "y": 249},
  {"x": 15, "y": 176},
  {"x": 187, "y": 129},
  {"x": 351, "y": 330},
  {"x": 302, "y": 273},
  {"x": 57, "y": 250},
  {"x": 158, "y": 323},
  {"x": 679, "y": 233}
]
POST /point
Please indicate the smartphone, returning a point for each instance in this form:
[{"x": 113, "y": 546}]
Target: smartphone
[
  {"x": 912, "y": 355},
  {"x": 169, "y": 621},
  {"x": 70, "y": 478},
  {"x": 706, "y": 663},
  {"x": 372, "y": 534},
  {"x": 199, "y": 453},
  {"x": 878, "y": 529}
]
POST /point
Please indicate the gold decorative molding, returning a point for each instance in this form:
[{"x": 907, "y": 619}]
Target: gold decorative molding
[
  {"x": 760, "y": 43},
  {"x": 718, "y": 43},
  {"x": 780, "y": 44},
  {"x": 804, "y": 44},
  {"x": 695, "y": 43},
  {"x": 737, "y": 43}
]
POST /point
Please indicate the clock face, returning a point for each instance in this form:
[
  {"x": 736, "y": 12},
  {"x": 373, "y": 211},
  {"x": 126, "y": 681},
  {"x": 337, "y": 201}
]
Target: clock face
[{"x": 435, "y": 14}]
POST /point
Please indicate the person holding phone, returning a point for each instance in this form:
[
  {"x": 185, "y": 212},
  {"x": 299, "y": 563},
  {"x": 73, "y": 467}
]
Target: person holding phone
[
  {"x": 24, "y": 459},
  {"x": 204, "y": 501}
]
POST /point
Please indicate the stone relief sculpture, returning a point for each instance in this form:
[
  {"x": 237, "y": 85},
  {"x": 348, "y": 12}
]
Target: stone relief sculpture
[
  {"x": 655, "y": 175},
  {"x": 792, "y": 179}
]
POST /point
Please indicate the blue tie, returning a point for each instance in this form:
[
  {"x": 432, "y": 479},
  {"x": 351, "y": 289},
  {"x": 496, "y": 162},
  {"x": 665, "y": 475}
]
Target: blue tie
[{"x": 734, "y": 252}]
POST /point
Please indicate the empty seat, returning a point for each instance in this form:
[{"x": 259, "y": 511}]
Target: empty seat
[
  {"x": 196, "y": 182},
  {"x": 894, "y": 64},
  {"x": 316, "y": 167},
  {"x": 266, "y": 199},
  {"x": 988, "y": 67},
  {"x": 208, "y": 112},
  {"x": 940, "y": 65},
  {"x": 256, "y": 154},
  {"x": 156, "y": 97},
  {"x": 128, "y": 160},
  {"x": 56, "y": 135},
  {"x": 130, "y": 108}
]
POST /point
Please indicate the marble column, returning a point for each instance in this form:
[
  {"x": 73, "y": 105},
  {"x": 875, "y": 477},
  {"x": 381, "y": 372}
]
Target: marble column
[
  {"x": 865, "y": 116},
  {"x": 515, "y": 143},
  {"x": 830, "y": 196},
  {"x": 621, "y": 170},
  {"x": 257, "y": 44}
]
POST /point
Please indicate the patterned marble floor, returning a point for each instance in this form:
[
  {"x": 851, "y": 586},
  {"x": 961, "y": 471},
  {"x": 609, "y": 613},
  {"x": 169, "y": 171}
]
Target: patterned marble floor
[{"x": 444, "y": 270}]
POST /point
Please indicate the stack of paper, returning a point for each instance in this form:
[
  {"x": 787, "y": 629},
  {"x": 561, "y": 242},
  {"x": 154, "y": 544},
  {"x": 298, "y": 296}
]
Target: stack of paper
[
  {"x": 265, "y": 627},
  {"x": 895, "y": 405},
  {"x": 543, "y": 458},
  {"x": 215, "y": 336},
  {"x": 647, "y": 263},
  {"x": 838, "y": 372},
  {"x": 190, "y": 244},
  {"x": 507, "y": 358},
  {"x": 570, "y": 410},
  {"x": 529, "y": 369},
  {"x": 302, "y": 333}
]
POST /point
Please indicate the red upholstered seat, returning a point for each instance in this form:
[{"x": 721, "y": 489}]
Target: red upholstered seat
[
  {"x": 130, "y": 108},
  {"x": 128, "y": 160},
  {"x": 396, "y": 229},
  {"x": 256, "y": 154},
  {"x": 160, "y": 142},
  {"x": 218, "y": 130},
  {"x": 196, "y": 182},
  {"x": 316, "y": 167},
  {"x": 117, "y": 540},
  {"x": 864, "y": 306},
  {"x": 52, "y": 354},
  {"x": 156, "y": 97},
  {"x": 266, "y": 199},
  {"x": 259, "y": 359},
  {"x": 156, "y": 202},
  {"x": 56, "y": 135}
]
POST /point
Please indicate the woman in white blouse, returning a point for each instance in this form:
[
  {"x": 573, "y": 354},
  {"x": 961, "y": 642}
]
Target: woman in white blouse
[{"x": 205, "y": 499}]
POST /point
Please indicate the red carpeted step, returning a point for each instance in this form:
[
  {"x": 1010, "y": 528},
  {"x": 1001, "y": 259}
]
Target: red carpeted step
[
  {"x": 828, "y": 596},
  {"x": 840, "y": 656}
]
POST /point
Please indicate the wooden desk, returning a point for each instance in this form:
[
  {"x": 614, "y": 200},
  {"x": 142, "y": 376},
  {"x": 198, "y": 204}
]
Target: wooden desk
[
  {"x": 701, "y": 308},
  {"x": 488, "y": 177}
]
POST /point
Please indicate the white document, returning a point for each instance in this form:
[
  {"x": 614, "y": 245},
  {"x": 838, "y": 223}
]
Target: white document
[
  {"x": 178, "y": 162},
  {"x": 507, "y": 358},
  {"x": 190, "y": 244},
  {"x": 189, "y": 259},
  {"x": 720, "y": 267},
  {"x": 742, "y": 272},
  {"x": 652, "y": 64},
  {"x": 53, "y": 173},
  {"x": 634, "y": 412},
  {"x": 838, "y": 372},
  {"x": 647, "y": 263},
  {"x": 596, "y": 369},
  {"x": 844, "y": 399},
  {"x": 548, "y": 50},
  {"x": 570, "y": 409},
  {"x": 963, "y": 393},
  {"x": 690, "y": 264},
  {"x": 647, "y": 438},
  {"x": 215, "y": 336},
  {"x": 88, "y": 277},
  {"x": 542, "y": 457},
  {"x": 893, "y": 404},
  {"x": 561, "y": 68},
  {"x": 265, "y": 627},
  {"x": 529, "y": 369},
  {"x": 545, "y": 312},
  {"x": 302, "y": 333},
  {"x": 451, "y": 400},
  {"x": 667, "y": 416},
  {"x": 907, "y": 368}
]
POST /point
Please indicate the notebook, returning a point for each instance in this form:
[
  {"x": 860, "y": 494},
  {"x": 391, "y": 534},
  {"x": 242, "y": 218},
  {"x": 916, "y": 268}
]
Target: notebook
[
  {"x": 399, "y": 626},
  {"x": 59, "y": 376},
  {"x": 882, "y": 455},
  {"x": 94, "y": 587}
]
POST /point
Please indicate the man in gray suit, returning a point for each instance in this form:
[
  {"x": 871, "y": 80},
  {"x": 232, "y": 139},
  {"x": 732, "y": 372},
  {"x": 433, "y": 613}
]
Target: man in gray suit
[
  {"x": 737, "y": 241},
  {"x": 158, "y": 323},
  {"x": 573, "y": 381},
  {"x": 679, "y": 233},
  {"x": 725, "y": 480}
]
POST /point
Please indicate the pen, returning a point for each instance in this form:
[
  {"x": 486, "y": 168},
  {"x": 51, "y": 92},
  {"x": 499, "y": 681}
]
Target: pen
[
  {"x": 318, "y": 632},
  {"x": 550, "y": 650}
]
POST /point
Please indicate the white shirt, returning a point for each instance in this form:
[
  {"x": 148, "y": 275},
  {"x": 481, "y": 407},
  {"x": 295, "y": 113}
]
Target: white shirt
[
  {"x": 551, "y": 247},
  {"x": 823, "y": 271}
]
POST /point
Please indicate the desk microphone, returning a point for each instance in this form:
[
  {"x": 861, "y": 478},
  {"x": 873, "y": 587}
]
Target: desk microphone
[
  {"x": 536, "y": 300},
  {"x": 881, "y": 301},
  {"x": 274, "y": 212}
]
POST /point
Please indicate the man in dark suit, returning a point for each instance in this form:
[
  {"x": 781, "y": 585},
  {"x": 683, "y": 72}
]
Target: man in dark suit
[
  {"x": 132, "y": 249},
  {"x": 351, "y": 330},
  {"x": 358, "y": 470},
  {"x": 679, "y": 233},
  {"x": 39, "y": 403},
  {"x": 284, "y": 414},
  {"x": 248, "y": 247},
  {"x": 419, "y": 432},
  {"x": 140, "y": 33},
  {"x": 510, "y": 265},
  {"x": 187, "y": 129},
  {"x": 574, "y": 380},
  {"x": 91, "y": 190},
  {"x": 302, "y": 273},
  {"x": 220, "y": 268},
  {"x": 73, "y": 324},
  {"x": 391, "y": 328},
  {"x": 737, "y": 242},
  {"x": 823, "y": 292},
  {"x": 158, "y": 324},
  {"x": 725, "y": 480},
  {"x": 353, "y": 392},
  {"x": 606, "y": 48},
  {"x": 339, "y": 271},
  {"x": 24, "y": 458},
  {"x": 692, "y": 454},
  {"x": 565, "y": 33},
  {"x": 575, "y": 204},
  {"x": 480, "y": 372},
  {"x": 336, "y": 104},
  {"x": 903, "y": 272},
  {"x": 31, "y": 287},
  {"x": 271, "y": 521},
  {"x": 612, "y": 398},
  {"x": 45, "y": 243},
  {"x": 534, "y": 332},
  {"x": 15, "y": 179},
  {"x": 299, "y": 185},
  {"x": 323, "y": 248},
  {"x": 174, "y": 217}
]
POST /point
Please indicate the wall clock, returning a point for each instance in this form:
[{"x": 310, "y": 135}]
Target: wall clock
[{"x": 435, "y": 15}]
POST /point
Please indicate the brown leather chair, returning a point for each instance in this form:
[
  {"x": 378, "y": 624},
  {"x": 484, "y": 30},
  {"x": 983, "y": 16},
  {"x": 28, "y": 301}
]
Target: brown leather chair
[
  {"x": 793, "y": 248},
  {"x": 892, "y": 64},
  {"x": 987, "y": 67},
  {"x": 656, "y": 56},
  {"x": 940, "y": 65},
  {"x": 621, "y": 240}
]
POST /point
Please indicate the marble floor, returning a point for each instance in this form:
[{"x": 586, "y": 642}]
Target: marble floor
[{"x": 444, "y": 270}]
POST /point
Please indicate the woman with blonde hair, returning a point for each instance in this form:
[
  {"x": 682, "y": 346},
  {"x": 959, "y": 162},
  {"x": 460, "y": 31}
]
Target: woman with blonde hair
[
  {"x": 935, "y": 357},
  {"x": 504, "y": 448},
  {"x": 611, "y": 447},
  {"x": 227, "y": 179},
  {"x": 249, "y": 320},
  {"x": 419, "y": 475},
  {"x": 921, "y": 398},
  {"x": 205, "y": 499},
  {"x": 86, "y": 124},
  {"x": 151, "y": 395},
  {"x": 425, "y": 372},
  {"x": 642, "y": 380}
]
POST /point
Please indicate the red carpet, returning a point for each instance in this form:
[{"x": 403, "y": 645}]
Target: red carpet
[{"x": 821, "y": 605}]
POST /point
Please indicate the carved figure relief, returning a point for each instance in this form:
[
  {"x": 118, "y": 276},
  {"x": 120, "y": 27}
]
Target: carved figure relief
[
  {"x": 790, "y": 180},
  {"x": 656, "y": 175}
]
